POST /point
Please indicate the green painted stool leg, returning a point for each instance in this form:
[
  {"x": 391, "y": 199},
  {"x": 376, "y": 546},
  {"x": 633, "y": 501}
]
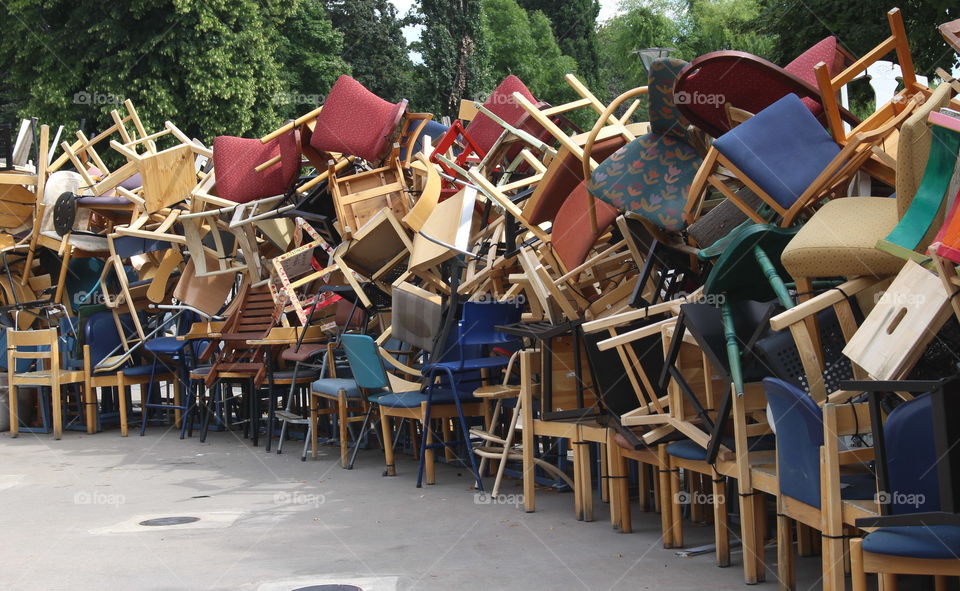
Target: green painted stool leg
[
  {"x": 733, "y": 349},
  {"x": 779, "y": 287}
]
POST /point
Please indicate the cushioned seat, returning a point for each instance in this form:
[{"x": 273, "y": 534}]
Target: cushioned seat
[
  {"x": 413, "y": 399},
  {"x": 920, "y": 541},
  {"x": 303, "y": 373},
  {"x": 478, "y": 363},
  {"x": 690, "y": 450},
  {"x": 332, "y": 387},
  {"x": 141, "y": 370},
  {"x": 165, "y": 345},
  {"x": 840, "y": 240}
]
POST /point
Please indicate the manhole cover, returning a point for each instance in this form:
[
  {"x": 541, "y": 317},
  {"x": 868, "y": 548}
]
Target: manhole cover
[
  {"x": 169, "y": 521},
  {"x": 329, "y": 588}
]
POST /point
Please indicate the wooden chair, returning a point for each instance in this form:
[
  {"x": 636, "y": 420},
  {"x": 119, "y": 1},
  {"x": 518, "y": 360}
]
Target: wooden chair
[{"x": 42, "y": 347}]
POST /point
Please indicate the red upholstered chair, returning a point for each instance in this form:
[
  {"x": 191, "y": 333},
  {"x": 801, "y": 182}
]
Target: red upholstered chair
[
  {"x": 745, "y": 81},
  {"x": 357, "y": 122},
  {"x": 571, "y": 238},
  {"x": 235, "y": 160}
]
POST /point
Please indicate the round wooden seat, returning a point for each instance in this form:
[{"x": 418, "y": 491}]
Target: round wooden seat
[{"x": 497, "y": 392}]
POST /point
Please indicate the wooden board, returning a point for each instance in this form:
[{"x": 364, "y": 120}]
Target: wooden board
[
  {"x": 899, "y": 328},
  {"x": 359, "y": 197},
  {"x": 168, "y": 177}
]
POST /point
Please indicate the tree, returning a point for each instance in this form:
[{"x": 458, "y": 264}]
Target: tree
[
  {"x": 712, "y": 25},
  {"x": 639, "y": 25},
  {"x": 860, "y": 27},
  {"x": 212, "y": 67},
  {"x": 523, "y": 44},
  {"x": 454, "y": 58},
  {"x": 374, "y": 45},
  {"x": 575, "y": 28}
]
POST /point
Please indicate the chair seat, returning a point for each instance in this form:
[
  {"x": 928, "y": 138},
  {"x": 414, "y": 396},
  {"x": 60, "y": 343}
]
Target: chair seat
[
  {"x": 199, "y": 373},
  {"x": 915, "y": 541},
  {"x": 470, "y": 364},
  {"x": 304, "y": 374},
  {"x": 165, "y": 345},
  {"x": 413, "y": 399},
  {"x": 142, "y": 370},
  {"x": 332, "y": 387},
  {"x": 840, "y": 240},
  {"x": 690, "y": 450},
  {"x": 42, "y": 378},
  {"x": 304, "y": 352}
]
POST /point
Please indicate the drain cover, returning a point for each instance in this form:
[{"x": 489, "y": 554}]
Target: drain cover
[
  {"x": 170, "y": 520},
  {"x": 329, "y": 588}
]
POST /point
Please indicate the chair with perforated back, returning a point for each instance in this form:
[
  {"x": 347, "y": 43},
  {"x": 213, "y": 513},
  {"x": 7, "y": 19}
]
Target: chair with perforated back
[
  {"x": 40, "y": 347},
  {"x": 914, "y": 488}
]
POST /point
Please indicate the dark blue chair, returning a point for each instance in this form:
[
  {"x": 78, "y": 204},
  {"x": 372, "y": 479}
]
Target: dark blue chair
[
  {"x": 406, "y": 400},
  {"x": 914, "y": 488},
  {"x": 182, "y": 354}
]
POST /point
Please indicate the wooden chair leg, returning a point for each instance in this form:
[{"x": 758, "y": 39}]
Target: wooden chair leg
[
  {"x": 888, "y": 582},
  {"x": 858, "y": 578},
  {"x": 721, "y": 524},
  {"x": 88, "y": 396},
  {"x": 939, "y": 583},
  {"x": 663, "y": 500},
  {"x": 56, "y": 402},
  {"x": 805, "y": 537},
  {"x": 14, "y": 410},
  {"x": 429, "y": 456},
  {"x": 122, "y": 404},
  {"x": 748, "y": 537},
  {"x": 387, "y": 435},
  {"x": 676, "y": 511},
  {"x": 786, "y": 566}
]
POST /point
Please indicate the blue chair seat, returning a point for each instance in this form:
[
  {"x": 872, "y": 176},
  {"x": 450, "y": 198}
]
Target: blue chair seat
[
  {"x": 413, "y": 399},
  {"x": 165, "y": 345},
  {"x": 690, "y": 450},
  {"x": 470, "y": 364},
  {"x": 140, "y": 370},
  {"x": 332, "y": 386},
  {"x": 915, "y": 541}
]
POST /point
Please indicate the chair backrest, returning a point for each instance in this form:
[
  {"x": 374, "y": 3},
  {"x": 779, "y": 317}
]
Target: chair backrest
[
  {"x": 235, "y": 160},
  {"x": 480, "y": 319},
  {"x": 665, "y": 117},
  {"x": 912, "y": 457},
  {"x": 33, "y": 345},
  {"x": 365, "y": 362},
  {"x": 357, "y": 122},
  {"x": 100, "y": 332},
  {"x": 798, "y": 422},
  {"x": 432, "y": 129},
  {"x": 572, "y": 236},
  {"x": 914, "y": 145},
  {"x": 783, "y": 149},
  {"x": 826, "y": 51},
  {"x": 416, "y": 316},
  {"x": 483, "y": 130},
  {"x": 128, "y": 246}
]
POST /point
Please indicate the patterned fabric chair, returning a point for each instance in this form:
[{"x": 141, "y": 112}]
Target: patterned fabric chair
[
  {"x": 234, "y": 160},
  {"x": 651, "y": 175}
]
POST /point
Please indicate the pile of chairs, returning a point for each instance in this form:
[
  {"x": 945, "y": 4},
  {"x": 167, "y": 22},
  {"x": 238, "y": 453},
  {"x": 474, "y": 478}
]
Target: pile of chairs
[{"x": 730, "y": 300}]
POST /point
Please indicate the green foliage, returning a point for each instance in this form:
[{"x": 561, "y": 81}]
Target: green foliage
[
  {"x": 575, "y": 28},
  {"x": 860, "y": 27},
  {"x": 523, "y": 44},
  {"x": 640, "y": 25},
  {"x": 374, "y": 45},
  {"x": 712, "y": 25},
  {"x": 212, "y": 67},
  {"x": 454, "y": 56}
]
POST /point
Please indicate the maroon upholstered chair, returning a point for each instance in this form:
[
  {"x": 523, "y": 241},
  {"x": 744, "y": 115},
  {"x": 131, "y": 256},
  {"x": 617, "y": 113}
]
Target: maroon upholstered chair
[
  {"x": 235, "y": 160},
  {"x": 357, "y": 122},
  {"x": 751, "y": 83},
  {"x": 571, "y": 237}
]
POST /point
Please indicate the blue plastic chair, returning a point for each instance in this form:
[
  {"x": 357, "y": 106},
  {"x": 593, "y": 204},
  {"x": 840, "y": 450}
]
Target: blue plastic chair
[{"x": 368, "y": 371}]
